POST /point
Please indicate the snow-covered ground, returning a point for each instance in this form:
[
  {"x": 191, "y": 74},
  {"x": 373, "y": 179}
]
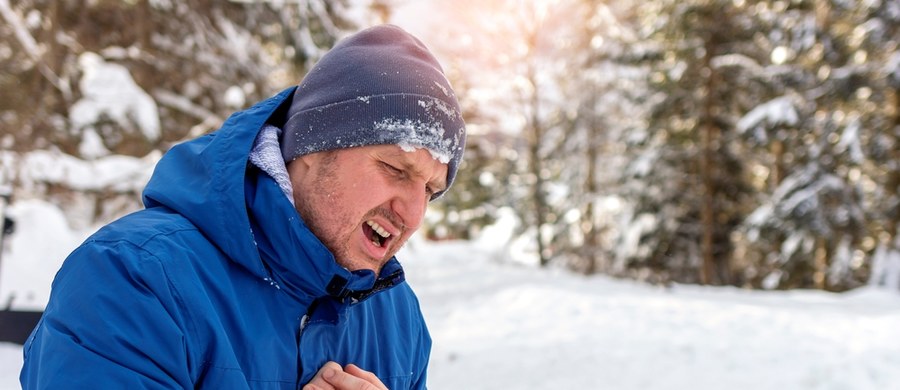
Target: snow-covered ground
[{"x": 504, "y": 325}]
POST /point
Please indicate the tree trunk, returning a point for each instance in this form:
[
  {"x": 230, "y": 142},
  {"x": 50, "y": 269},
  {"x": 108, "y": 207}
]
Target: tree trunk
[
  {"x": 540, "y": 204},
  {"x": 535, "y": 167},
  {"x": 820, "y": 263},
  {"x": 708, "y": 140},
  {"x": 591, "y": 233},
  {"x": 777, "y": 172}
]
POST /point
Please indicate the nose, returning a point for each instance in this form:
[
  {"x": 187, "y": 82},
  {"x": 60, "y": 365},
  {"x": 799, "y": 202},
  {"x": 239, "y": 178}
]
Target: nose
[{"x": 410, "y": 204}]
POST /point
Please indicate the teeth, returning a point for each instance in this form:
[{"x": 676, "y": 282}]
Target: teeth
[{"x": 378, "y": 229}]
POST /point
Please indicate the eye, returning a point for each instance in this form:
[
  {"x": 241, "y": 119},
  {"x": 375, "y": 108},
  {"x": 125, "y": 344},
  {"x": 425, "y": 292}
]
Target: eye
[{"x": 392, "y": 169}]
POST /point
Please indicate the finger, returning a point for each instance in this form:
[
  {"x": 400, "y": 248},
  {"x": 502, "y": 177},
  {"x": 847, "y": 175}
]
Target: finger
[
  {"x": 320, "y": 386},
  {"x": 354, "y": 370},
  {"x": 342, "y": 380},
  {"x": 318, "y": 382}
]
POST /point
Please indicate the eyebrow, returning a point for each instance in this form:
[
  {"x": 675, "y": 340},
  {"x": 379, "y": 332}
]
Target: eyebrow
[{"x": 438, "y": 184}]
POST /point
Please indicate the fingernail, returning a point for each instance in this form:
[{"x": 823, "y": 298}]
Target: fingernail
[{"x": 329, "y": 373}]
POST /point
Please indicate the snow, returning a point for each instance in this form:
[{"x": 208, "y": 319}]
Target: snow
[
  {"x": 631, "y": 237},
  {"x": 421, "y": 134},
  {"x": 850, "y": 141},
  {"x": 502, "y": 326},
  {"x": 234, "y": 97},
  {"x": 778, "y": 111},
  {"x": 29, "y": 263},
  {"x": 886, "y": 268},
  {"x": 114, "y": 172},
  {"x": 92, "y": 146},
  {"x": 10, "y": 364},
  {"x": 892, "y": 68},
  {"x": 497, "y": 323},
  {"x": 20, "y": 28},
  {"x": 109, "y": 90}
]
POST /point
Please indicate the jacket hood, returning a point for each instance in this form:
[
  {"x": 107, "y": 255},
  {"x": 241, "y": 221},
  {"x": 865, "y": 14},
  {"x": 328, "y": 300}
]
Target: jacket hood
[{"x": 244, "y": 213}]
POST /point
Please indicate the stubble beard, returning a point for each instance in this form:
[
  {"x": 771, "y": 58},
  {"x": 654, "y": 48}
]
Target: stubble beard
[
  {"x": 335, "y": 241},
  {"x": 310, "y": 202},
  {"x": 324, "y": 217}
]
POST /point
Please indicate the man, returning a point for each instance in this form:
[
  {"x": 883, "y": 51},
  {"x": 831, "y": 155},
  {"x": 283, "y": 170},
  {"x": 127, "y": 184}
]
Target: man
[{"x": 265, "y": 256}]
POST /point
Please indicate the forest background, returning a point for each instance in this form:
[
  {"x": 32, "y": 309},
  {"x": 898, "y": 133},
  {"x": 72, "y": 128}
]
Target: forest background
[{"x": 739, "y": 142}]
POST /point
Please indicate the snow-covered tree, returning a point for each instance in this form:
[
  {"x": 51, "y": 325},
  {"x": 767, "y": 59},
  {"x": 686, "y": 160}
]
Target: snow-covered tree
[
  {"x": 604, "y": 89},
  {"x": 545, "y": 88},
  {"x": 687, "y": 178},
  {"x": 768, "y": 156},
  {"x": 871, "y": 138},
  {"x": 102, "y": 78},
  {"x": 514, "y": 56},
  {"x": 819, "y": 145}
]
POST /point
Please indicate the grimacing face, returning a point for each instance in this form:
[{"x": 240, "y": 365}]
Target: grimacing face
[{"x": 365, "y": 202}]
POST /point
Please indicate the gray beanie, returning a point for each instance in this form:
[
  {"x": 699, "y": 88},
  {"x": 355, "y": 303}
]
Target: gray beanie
[{"x": 377, "y": 87}]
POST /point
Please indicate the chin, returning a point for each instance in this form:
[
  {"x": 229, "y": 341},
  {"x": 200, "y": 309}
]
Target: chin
[{"x": 360, "y": 265}]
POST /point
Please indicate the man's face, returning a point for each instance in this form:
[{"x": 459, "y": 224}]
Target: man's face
[{"x": 364, "y": 203}]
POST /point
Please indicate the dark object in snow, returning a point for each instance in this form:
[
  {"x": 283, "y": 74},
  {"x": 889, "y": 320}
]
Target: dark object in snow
[
  {"x": 16, "y": 326},
  {"x": 9, "y": 225}
]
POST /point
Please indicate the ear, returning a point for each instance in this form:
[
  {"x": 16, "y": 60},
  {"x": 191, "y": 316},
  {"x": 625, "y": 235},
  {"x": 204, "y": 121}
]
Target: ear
[
  {"x": 299, "y": 171},
  {"x": 299, "y": 168}
]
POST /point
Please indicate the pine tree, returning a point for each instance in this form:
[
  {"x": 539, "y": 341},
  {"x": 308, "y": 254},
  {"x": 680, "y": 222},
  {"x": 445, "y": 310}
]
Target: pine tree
[
  {"x": 811, "y": 222},
  {"x": 687, "y": 177}
]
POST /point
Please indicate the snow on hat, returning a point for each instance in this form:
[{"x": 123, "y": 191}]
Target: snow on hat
[{"x": 380, "y": 86}]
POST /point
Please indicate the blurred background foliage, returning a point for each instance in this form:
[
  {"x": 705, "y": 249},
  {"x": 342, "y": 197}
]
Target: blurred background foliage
[{"x": 728, "y": 142}]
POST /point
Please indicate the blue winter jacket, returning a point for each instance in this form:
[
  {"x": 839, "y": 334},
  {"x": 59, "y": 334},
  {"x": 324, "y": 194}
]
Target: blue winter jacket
[{"x": 218, "y": 284}]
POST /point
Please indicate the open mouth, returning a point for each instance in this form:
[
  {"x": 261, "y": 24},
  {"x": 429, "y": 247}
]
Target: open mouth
[{"x": 377, "y": 234}]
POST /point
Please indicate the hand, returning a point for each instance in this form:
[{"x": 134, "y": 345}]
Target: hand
[{"x": 332, "y": 377}]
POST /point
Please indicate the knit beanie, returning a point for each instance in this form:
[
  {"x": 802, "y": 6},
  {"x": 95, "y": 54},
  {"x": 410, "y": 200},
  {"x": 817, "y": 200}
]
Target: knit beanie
[{"x": 377, "y": 87}]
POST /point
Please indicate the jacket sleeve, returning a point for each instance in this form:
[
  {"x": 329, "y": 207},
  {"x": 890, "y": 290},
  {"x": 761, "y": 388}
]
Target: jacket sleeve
[{"x": 113, "y": 322}]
